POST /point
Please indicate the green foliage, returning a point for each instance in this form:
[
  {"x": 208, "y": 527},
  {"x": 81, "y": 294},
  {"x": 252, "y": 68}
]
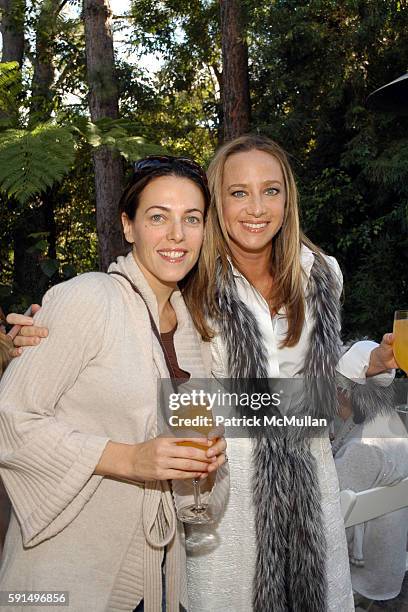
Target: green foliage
[
  {"x": 313, "y": 64},
  {"x": 32, "y": 160},
  {"x": 10, "y": 93},
  {"x": 117, "y": 134},
  {"x": 180, "y": 106}
]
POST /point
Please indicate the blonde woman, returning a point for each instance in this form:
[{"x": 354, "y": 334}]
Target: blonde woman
[{"x": 274, "y": 301}]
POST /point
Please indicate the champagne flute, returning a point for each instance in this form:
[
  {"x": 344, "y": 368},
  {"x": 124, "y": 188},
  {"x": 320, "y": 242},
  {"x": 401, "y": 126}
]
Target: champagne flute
[
  {"x": 400, "y": 349},
  {"x": 197, "y": 513},
  {"x": 400, "y": 346}
]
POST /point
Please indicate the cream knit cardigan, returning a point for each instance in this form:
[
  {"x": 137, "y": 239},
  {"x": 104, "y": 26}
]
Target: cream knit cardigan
[{"x": 92, "y": 380}]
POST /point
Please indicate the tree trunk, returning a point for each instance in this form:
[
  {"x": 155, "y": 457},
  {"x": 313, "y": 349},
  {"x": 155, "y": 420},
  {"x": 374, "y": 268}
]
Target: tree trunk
[
  {"x": 104, "y": 102},
  {"x": 42, "y": 94},
  {"x": 235, "y": 90},
  {"x": 12, "y": 30},
  {"x": 29, "y": 278},
  {"x": 12, "y": 14}
]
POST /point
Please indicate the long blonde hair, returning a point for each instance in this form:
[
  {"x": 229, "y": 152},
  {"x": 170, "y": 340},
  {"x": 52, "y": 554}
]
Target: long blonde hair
[{"x": 285, "y": 259}]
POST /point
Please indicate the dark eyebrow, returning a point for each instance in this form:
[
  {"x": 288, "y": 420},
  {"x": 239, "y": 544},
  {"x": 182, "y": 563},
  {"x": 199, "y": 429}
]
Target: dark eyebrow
[
  {"x": 158, "y": 206},
  {"x": 167, "y": 208}
]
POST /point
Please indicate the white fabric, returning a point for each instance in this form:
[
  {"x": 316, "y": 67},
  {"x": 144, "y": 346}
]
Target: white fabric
[
  {"x": 221, "y": 563},
  {"x": 374, "y": 455},
  {"x": 354, "y": 364}
]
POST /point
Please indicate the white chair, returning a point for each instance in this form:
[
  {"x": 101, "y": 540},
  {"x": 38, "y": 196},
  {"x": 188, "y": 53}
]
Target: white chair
[{"x": 360, "y": 507}]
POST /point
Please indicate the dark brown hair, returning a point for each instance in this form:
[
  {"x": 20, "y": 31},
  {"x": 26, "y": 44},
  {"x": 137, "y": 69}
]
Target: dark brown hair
[{"x": 149, "y": 168}]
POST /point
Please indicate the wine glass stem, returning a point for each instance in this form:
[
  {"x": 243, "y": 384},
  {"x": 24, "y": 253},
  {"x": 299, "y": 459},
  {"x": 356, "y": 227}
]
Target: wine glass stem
[{"x": 197, "y": 495}]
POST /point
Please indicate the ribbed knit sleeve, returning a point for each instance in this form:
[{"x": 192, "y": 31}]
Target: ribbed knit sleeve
[{"x": 46, "y": 464}]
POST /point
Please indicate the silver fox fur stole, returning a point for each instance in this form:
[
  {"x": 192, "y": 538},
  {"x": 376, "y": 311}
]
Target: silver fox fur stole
[{"x": 291, "y": 547}]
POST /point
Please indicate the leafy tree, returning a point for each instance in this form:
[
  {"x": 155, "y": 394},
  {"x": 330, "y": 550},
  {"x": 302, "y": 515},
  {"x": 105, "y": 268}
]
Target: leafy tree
[
  {"x": 44, "y": 139},
  {"x": 313, "y": 65},
  {"x": 104, "y": 103},
  {"x": 182, "y": 108}
]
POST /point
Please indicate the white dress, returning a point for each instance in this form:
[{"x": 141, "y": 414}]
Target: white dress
[{"x": 221, "y": 558}]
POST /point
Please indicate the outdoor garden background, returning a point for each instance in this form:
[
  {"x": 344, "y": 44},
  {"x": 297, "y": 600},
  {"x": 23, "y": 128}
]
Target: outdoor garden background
[{"x": 78, "y": 105}]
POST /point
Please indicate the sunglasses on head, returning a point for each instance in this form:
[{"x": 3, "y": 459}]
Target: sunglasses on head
[{"x": 154, "y": 162}]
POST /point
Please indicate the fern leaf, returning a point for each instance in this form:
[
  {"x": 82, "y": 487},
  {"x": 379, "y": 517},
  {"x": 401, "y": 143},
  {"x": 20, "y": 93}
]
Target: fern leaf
[{"x": 32, "y": 160}]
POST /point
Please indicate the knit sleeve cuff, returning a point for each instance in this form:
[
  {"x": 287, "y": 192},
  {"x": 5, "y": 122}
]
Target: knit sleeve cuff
[{"x": 49, "y": 478}]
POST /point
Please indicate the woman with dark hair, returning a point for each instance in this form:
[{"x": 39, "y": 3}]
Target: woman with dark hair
[{"x": 88, "y": 478}]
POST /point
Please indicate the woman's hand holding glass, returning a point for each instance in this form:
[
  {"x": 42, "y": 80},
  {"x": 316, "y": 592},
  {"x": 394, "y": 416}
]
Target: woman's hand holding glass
[{"x": 161, "y": 458}]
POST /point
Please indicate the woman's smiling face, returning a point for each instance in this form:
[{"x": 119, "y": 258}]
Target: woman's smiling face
[
  {"x": 167, "y": 231},
  {"x": 253, "y": 200}
]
